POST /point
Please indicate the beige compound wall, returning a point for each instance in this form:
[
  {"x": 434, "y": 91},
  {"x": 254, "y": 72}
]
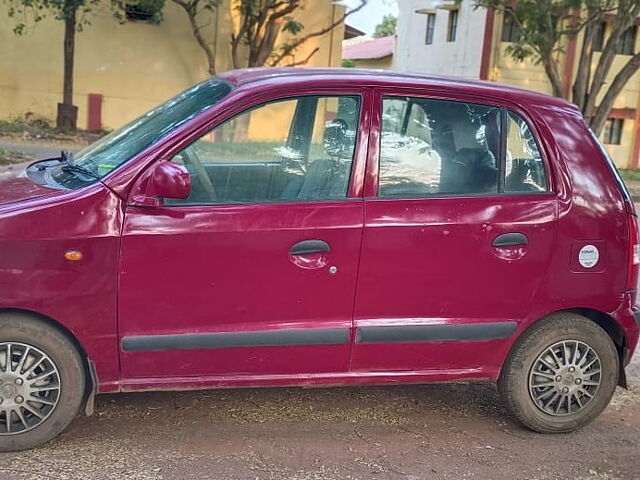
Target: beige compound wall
[{"x": 134, "y": 65}]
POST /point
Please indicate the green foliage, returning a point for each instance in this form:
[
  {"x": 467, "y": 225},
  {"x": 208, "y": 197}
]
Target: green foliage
[
  {"x": 348, "y": 63},
  {"x": 292, "y": 26},
  {"x": 30, "y": 12},
  {"x": 26, "y": 12},
  {"x": 386, "y": 27},
  {"x": 543, "y": 24},
  {"x": 630, "y": 175}
]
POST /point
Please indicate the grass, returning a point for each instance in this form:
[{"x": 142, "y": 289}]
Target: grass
[
  {"x": 630, "y": 175},
  {"x": 38, "y": 127},
  {"x": 7, "y": 157}
]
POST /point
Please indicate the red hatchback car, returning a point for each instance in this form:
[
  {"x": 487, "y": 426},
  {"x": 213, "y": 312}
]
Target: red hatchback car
[{"x": 316, "y": 226}]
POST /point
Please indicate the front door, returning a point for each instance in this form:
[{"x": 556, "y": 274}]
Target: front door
[
  {"x": 459, "y": 227},
  {"x": 253, "y": 274}
]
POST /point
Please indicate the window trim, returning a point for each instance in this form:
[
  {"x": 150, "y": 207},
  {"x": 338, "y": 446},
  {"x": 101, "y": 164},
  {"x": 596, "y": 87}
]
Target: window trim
[
  {"x": 251, "y": 104},
  {"x": 373, "y": 163}
]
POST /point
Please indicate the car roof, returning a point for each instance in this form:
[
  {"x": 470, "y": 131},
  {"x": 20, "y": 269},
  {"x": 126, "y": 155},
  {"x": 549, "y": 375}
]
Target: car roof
[{"x": 289, "y": 76}]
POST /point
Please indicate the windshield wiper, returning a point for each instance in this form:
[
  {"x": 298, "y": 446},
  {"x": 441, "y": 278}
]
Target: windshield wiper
[
  {"x": 73, "y": 168},
  {"x": 66, "y": 157}
]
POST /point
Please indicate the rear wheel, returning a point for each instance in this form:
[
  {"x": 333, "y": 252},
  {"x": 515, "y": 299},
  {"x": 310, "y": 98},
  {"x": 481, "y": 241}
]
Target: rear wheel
[
  {"x": 561, "y": 374},
  {"x": 42, "y": 382}
]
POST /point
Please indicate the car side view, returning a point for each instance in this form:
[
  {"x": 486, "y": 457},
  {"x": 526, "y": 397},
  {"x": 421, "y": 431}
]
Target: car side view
[{"x": 297, "y": 227}]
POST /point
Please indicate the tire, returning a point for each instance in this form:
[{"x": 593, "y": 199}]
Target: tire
[
  {"x": 530, "y": 377},
  {"x": 55, "y": 403}
]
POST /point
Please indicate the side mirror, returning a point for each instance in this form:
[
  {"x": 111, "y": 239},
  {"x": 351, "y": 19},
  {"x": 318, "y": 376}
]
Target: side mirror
[{"x": 163, "y": 180}]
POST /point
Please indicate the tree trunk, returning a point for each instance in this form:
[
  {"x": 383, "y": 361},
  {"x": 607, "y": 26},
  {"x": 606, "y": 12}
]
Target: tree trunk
[
  {"x": 583, "y": 72},
  {"x": 67, "y": 111},
  {"x": 620, "y": 80},
  {"x": 605, "y": 62},
  {"x": 551, "y": 69}
]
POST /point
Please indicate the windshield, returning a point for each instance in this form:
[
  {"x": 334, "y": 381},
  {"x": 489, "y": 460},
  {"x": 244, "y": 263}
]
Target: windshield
[{"x": 111, "y": 151}]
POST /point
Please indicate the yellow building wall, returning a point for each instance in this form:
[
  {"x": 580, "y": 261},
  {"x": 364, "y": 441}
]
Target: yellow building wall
[
  {"x": 384, "y": 63},
  {"x": 134, "y": 65},
  {"x": 528, "y": 75}
]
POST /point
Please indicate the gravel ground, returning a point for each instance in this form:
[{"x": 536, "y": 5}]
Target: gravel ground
[{"x": 400, "y": 432}]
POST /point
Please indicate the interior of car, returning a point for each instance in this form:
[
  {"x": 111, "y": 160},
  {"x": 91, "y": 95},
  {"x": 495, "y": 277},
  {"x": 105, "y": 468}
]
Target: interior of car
[{"x": 243, "y": 160}]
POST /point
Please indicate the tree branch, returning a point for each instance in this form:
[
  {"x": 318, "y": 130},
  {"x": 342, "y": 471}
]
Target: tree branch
[
  {"x": 191, "y": 9},
  {"x": 305, "y": 60},
  {"x": 276, "y": 59},
  {"x": 618, "y": 83},
  {"x": 622, "y": 21}
]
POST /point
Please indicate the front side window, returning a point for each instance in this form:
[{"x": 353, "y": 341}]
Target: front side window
[
  {"x": 434, "y": 147},
  {"x": 291, "y": 150}
]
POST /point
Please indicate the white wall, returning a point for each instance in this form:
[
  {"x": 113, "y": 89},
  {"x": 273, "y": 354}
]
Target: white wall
[{"x": 459, "y": 58}]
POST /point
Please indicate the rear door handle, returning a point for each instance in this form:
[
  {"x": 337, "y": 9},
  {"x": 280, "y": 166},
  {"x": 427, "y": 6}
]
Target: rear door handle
[
  {"x": 510, "y": 240},
  {"x": 307, "y": 247}
]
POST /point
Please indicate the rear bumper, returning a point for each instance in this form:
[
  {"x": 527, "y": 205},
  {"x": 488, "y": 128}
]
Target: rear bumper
[{"x": 628, "y": 317}]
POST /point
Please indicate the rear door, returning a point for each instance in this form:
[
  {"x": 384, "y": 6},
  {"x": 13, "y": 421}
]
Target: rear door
[
  {"x": 459, "y": 226},
  {"x": 254, "y": 274}
]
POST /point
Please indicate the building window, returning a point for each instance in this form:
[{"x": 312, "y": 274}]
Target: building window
[
  {"x": 141, "y": 12},
  {"x": 510, "y": 28},
  {"x": 598, "y": 39},
  {"x": 431, "y": 26},
  {"x": 453, "y": 26},
  {"x": 613, "y": 131},
  {"x": 627, "y": 44}
]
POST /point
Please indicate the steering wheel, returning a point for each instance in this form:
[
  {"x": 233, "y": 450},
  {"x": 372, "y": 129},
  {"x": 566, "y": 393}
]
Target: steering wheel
[{"x": 191, "y": 158}]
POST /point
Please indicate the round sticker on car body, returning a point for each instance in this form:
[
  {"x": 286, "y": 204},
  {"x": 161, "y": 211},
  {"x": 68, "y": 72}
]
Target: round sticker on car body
[{"x": 588, "y": 256}]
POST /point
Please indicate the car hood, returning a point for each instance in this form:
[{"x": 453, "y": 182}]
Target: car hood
[{"x": 15, "y": 186}]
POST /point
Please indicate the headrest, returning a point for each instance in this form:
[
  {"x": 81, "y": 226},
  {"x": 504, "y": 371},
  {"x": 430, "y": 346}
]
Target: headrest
[{"x": 335, "y": 137}]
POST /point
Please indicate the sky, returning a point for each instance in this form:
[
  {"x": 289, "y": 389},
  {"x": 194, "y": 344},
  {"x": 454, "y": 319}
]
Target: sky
[{"x": 370, "y": 15}]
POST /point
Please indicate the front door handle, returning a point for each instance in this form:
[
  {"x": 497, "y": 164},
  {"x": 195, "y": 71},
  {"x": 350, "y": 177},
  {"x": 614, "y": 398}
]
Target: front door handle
[
  {"x": 510, "y": 240},
  {"x": 307, "y": 247}
]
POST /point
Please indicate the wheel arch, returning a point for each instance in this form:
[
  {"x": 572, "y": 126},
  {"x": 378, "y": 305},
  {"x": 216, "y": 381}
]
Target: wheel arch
[
  {"x": 602, "y": 319},
  {"x": 91, "y": 379},
  {"x": 613, "y": 329}
]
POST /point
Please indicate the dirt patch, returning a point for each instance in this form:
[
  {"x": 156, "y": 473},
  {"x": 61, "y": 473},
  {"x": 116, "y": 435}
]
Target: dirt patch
[{"x": 404, "y": 432}]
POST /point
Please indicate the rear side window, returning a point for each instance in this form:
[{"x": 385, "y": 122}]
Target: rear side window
[
  {"x": 524, "y": 168},
  {"x": 442, "y": 147}
]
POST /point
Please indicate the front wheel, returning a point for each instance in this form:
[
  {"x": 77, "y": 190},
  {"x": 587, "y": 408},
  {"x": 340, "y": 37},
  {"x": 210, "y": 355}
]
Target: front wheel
[
  {"x": 42, "y": 382},
  {"x": 561, "y": 374}
]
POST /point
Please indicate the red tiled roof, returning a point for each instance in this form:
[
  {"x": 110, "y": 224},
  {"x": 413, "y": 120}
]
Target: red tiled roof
[{"x": 376, "y": 48}]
